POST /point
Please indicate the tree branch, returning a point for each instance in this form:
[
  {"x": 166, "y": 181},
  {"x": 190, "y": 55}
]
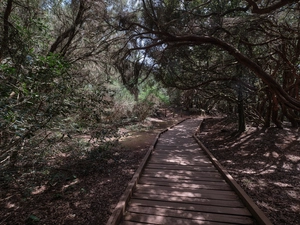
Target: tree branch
[
  {"x": 70, "y": 32},
  {"x": 257, "y": 10}
]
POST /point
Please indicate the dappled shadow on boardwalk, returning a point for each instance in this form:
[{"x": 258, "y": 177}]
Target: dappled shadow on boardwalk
[
  {"x": 179, "y": 185},
  {"x": 266, "y": 163}
]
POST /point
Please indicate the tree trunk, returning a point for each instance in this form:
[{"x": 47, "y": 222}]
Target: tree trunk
[
  {"x": 275, "y": 110},
  {"x": 289, "y": 115},
  {"x": 268, "y": 112},
  {"x": 241, "y": 114},
  {"x": 5, "y": 39}
]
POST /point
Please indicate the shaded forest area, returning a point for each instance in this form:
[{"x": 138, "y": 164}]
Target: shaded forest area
[
  {"x": 264, "y": 161},
  {"x": 77, "y": 76}
]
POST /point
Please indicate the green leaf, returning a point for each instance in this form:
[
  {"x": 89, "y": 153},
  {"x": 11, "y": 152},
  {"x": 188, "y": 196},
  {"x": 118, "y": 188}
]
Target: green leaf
[{"x": 34, "y": 218}]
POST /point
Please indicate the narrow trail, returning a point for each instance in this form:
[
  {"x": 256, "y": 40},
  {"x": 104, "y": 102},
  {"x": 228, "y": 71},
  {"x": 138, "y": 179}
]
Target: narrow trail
[{"x": 179, "y": 184}]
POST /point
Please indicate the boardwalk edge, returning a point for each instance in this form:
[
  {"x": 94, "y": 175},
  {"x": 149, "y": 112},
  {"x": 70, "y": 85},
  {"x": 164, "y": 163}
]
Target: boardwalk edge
[
  {"x": 119, "y": 210},
  {"x": 252, "y": 207}
]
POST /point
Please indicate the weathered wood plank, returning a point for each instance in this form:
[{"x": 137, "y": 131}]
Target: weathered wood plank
[
  {"x": 204, "y": 177},
  {"x": 183, "y": 164},
  {"x": 178, "y": 154},
  {"x": 176, "y": 146},
  {"x": 154, "y": 219},
  {"x": 180, "y": 161},
  {"x": 189, "y": 206},
  {"x": 169, "y": 157},
  {"x": 180, "y": 167},
  {"x": 192, "y": 157},
  {"x": 195, "y": 215},
  {"x": 221, "y": 191},
  {"x": 132, "y": 223},
  {"x": 201, "y": 193},
  {"x": 183, "y": 173},
  {"x": 158, "y": 182},
  {"x": 218, "y": 182},
  {"x": 188, "y": 200}
]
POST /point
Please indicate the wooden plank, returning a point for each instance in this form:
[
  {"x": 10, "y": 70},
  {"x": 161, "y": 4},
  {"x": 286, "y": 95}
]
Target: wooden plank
[
  {"x": 187, "y": 161},
  {"x": 183, "y": 173},
  {"x": 188, "y": 200},
  {"x": 178, "y": 151},
  {"x": 183, "y": 164},
  {"x": 174, "y": 143},
  {"x": 178, "y": 139},
  {"x": 218, "y": 182},
  {"x": 170, "y": 157},
  {"x": 204, "y": 177},
  {"x": 132, "y": 223},
  {"x": 201, "y": 193},
  {"x": 179, "y": 167},
  {"x": 154, "y": 219},
  {"x": 188, "y": 189},
  {"x": 159, "y": 155},
  {"x": 207, "y": 206},
  {"x": 178, "y": 154},
  {"x": 195, "y": 215},
  {"x": 158, "y": 182},
  {"x": 174, "y": 178},
  {"x": 176, "y": 146}
]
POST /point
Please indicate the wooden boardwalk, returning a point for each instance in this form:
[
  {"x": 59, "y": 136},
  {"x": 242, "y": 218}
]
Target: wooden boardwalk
[{"x": 180, "y": 185}]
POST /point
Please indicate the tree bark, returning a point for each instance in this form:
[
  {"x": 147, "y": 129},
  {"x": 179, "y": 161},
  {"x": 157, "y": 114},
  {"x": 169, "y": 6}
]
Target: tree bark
[
  {"x": 268, "y": 112},
  {"x": 241, "y": 113},
  {"x": 289, "y": 115},
  {"x": 5, "y": 39},
  {"x": 275, "y": 110}
]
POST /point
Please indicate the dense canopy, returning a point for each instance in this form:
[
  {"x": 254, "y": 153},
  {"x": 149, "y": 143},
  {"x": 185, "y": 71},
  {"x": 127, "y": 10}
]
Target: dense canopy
[{"x": 63, "y": 59}]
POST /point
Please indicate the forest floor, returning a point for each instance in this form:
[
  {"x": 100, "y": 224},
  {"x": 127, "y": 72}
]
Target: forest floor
[
  {"x": 73, "y": 190},
  {"x": 265, "y": 162},
  {"x": 67, "y": 185}
]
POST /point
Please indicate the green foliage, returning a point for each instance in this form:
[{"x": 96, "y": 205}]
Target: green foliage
[
  {"x": 31, "y": 95},
  {"x": 48, "y": 91},
  {"x": 151, "y": 95},
  {"x": 154, "y": 94}
]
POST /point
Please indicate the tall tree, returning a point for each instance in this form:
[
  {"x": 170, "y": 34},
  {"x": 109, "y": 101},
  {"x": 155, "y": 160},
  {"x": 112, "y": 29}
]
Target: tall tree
[{"x": 258, "y": 27}]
